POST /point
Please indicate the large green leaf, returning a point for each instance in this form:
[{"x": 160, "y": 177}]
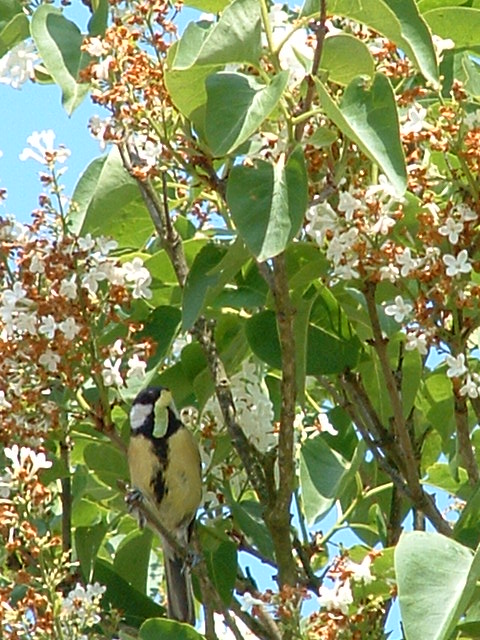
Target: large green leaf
[
  {"x": 460, "y": 24},
  {"x": 135, "y": 606},
  {"x": 344, "y": 57},
  {"x": 132, "y": 558},
  {"x": 231, "y": 122},
  {"x": 108, "y": 203},
  {"x": 208, "y": 6},
  {"x": 199, "y": 280},
  {"x": 368, "y": 116},
  {"x": 157, "y": 628},
  {"x": 398, "y": 20},
  {"x": 220, "y": 557},
  {"x": 58, "y": 41},
  {"x": 14, "y": 26},
  {"x": 332, "y": 346},
  {"x": 268, "y": 202},
  {"x": 234, "y": 38},
  {"x": 436, "y": 579},
  {"x": 324, "y": 475}
]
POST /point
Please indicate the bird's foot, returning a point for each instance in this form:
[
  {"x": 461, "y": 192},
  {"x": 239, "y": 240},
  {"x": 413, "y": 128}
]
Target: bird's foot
[{"x": 134, "y": 499}]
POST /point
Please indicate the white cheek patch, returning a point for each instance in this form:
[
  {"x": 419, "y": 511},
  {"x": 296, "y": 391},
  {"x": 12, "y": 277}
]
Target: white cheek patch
[{"x": 138, "y": 414}]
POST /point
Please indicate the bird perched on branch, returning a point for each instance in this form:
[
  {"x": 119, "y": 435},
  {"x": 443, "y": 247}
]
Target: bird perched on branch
[{"x": 165, "y": 473}]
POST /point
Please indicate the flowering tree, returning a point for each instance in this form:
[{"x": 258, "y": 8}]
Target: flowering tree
[{"x": 282, "y": 229}]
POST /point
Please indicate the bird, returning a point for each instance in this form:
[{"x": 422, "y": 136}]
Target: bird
[{"x": 165, "y": 472}]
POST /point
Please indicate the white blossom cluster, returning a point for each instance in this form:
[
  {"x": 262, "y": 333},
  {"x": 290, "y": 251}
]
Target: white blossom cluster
[
  {"x": 25, "y": 463},
  {"x": 339, "y": 596},
  {"x": 18, "y": 65},
  {"x": 336, "y": 231},
  {"x": 253, "y": 405},
  {"x": 80, "y": 610}
]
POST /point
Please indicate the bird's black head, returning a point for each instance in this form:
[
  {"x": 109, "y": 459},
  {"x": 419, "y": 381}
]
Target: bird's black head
[{"x": 150, "y": 406}]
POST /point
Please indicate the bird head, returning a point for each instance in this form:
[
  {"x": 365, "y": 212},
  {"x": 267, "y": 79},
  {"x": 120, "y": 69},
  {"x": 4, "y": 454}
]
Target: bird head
[{"x": 149, "y": 414}]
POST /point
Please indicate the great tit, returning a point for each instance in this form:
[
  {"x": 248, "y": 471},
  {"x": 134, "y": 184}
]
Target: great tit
[{"x": 164, "y": 463}]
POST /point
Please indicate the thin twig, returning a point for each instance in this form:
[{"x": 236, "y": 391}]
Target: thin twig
[{"x": 320, "y": 32}]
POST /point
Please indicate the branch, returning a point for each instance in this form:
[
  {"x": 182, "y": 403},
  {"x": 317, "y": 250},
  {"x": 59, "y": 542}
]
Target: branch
[
  {"x": 465, "y": 448},
  {"x": 320, "y": 32},
  {"x": 66, "y": 496},
  {"x": 277, "y": 515}
]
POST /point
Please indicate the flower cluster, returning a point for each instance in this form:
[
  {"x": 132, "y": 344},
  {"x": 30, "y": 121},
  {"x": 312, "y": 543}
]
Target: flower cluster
[
  {"x": 18, "y": 65},
  {"x": 61, "y": 297},
  {"x": 80, "y": 610},
  {"x": 253, "y": 405}
]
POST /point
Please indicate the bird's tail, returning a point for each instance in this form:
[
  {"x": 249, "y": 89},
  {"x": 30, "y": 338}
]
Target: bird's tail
[{"x": 179, "y": 587}]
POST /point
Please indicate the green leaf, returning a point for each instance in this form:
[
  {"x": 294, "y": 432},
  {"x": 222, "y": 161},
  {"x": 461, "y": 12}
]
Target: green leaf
[
  {"x": 234, "y": 38},
  {"x": 249, "y": 516},
  {"x": 344, "y": 57},
  {"x": 268, "y": 202},
  {"x": 332, "y": 346},
  {"x": 135, "y": 606},
  {"x": 157, "y": 628},
  {"x": 460, "y": 24},
  {"x": 398, "y": 20},
  {"x": 108, "y": 203},
  {"x": 199, "y": 280},
  {"x": 257, "y": 327},
  {"x": 436, "y": 579},
  {"x": 368, "y": 116},
  {"x": 435, "y": 400},
  {"x": 208, "y": 6},
  {"x": 59, "y": 40},
  {"x": 88, "y": 541},
  {"x": 14, "y": 25},
  {"x": 98, "y": 22},
  {"x": 324, "y": 474},
  {"x": 162, "y": 326},
  {"x": 108, "y": 464},
  {"x": 132, "y": 558},
  {"x": 231, "y": 122},
  {"x": 221, "y": 561}
]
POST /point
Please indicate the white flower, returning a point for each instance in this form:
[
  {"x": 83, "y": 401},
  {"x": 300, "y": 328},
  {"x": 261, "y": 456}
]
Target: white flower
[
  {"x": 98, "y": 127},
  {"x": 399, "y": 310},
  {"x": 18, "y": 65},
  {"x": 406, "y": 262},
  {"x": 325, "y": 425},
  {"x": 4, "y": 404},
  {"x": 136, "y": 367},
  {"x": 142, "y": 290},
  {"x": 465, "y": 212},
  {"x": 69, "y": 328},
  {"x": 417, "y": 341},
  {"x": 91, "y": 279},
  {"x": 384, "y": 189},
  {"x": 37, "y": 264},
  {"x": 415, "y": 121},
  {"x": 456, "y": 366},
  {"x": 451, "y": 229},
  {"x": 360, "y": 572},
  {"x": 10, "y": 297},
  {"x": 457, "y": 264},
  {"x": 348, "y": 204},
  {"x": 26, "y": 459},
  {"x": 68, "y": 288},
  {"x": 42, "y": 144},
  {"x": 383, "y": 224},
  {"x": 148, "y": 150},
  {"x": 248, "y": 601},
  {"x": 101, "y": 70},
  {"x": 106, "y": 245},
  {"x": 442, "y": 44},
  {"x": 338, "y": 598},
  {"x": 322, "y": 218},
  {"x": 48, "y": 327},
  {"x": 138, "y": 274},
  {"x": 470, "y": 388},
  {"x": 95, "y": 47},
  {"x": 111, "y": 373},
  {"x": 27, "y": 322},
  {"x": 49, "y": 360},
  {"x": 389, "y": 272},
  {"x": 86, "y": 243}
]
